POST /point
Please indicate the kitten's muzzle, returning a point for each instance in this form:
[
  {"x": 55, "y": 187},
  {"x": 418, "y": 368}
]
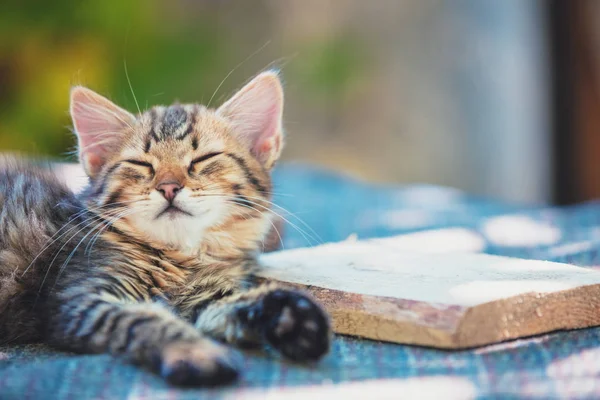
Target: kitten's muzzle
[{"x": 169, "y": 190}]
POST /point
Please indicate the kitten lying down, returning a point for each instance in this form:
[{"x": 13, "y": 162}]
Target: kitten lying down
[{"x": 154, "y": 260}]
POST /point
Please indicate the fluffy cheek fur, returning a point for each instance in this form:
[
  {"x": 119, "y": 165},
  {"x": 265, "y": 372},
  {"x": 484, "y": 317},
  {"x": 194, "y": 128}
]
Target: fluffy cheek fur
[{"x": 179, "y": 231}]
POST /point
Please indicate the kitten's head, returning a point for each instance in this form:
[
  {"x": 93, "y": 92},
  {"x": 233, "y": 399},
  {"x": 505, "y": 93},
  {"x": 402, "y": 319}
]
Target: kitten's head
[{"x": 182, "y": 175}]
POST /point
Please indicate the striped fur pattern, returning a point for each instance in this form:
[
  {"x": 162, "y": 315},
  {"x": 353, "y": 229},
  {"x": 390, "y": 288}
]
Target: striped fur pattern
[{"x": 154, "y": 261}]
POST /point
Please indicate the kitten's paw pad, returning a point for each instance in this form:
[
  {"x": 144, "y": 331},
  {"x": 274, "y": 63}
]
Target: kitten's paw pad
[
  {"x": 295, "y": 325},
  {"x": 200, "y": 363}
]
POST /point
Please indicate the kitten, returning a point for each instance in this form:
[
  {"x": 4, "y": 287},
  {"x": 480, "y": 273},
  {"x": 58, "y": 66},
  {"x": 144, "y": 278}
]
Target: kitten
[{"x": 155, "y": 259}]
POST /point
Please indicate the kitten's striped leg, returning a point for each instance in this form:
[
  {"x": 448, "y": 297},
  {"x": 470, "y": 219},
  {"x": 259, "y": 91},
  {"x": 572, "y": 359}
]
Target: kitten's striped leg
[
  {"x": 145, "y": 333},
  {"x": 288, "y": 320}
]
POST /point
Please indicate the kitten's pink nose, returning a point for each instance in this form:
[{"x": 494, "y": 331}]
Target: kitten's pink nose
[{"x": 169, "y": 190}]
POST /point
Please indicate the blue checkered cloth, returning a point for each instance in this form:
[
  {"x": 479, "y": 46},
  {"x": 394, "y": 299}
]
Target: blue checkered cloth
[{"x": 321, "y": 207}]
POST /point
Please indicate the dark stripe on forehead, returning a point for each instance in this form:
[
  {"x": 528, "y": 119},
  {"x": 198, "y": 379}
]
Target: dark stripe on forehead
[
  {"x": 190, "y": 127},
  {"x": 147, "y": 145},
  {"x": 249, "y": 175},
  {"x": 152, "y": 132},
  {"x": 195, "y": 143},
  {"x": 173, "y": 120}
]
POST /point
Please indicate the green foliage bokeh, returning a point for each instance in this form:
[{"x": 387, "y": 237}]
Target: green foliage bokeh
[
  {"x": 178, "y": 50},
  {"x": 46, "y": 47}
]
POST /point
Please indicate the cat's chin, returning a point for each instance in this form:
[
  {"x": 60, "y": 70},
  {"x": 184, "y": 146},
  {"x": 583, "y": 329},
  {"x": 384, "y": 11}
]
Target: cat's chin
[
  {"x": 175, "y": 229},
  {"x": 174, "y": 212}
]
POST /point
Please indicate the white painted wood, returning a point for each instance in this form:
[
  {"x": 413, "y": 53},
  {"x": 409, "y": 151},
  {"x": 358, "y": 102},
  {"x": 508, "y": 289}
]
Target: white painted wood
[
  {"x": 387, "y": 268},
  {"x": 446, "y": 240}
]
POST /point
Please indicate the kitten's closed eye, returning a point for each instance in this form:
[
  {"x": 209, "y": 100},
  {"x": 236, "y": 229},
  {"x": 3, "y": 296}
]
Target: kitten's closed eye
[
  {"x": 141, "y": 164},
  {"x": 205, "y": 157}
]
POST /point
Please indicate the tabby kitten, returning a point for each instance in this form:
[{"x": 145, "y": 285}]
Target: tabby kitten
[{"x": 155, "y": 259}]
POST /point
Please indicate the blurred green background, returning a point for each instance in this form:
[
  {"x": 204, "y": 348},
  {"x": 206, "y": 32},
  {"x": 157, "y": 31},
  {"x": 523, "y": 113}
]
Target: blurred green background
[
  {"x": 394, "y": 91},
  {"x": 171, "y": 50}
]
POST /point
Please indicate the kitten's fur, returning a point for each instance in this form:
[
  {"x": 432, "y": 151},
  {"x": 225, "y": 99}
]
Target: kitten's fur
[{"x": 115, "y": 271}]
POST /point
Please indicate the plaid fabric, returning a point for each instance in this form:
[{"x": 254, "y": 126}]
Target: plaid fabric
[{"x": 327, "y": 207}]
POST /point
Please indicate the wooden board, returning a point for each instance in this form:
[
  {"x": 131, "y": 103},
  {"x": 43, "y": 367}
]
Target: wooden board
[{"x": 384, "y": 290}]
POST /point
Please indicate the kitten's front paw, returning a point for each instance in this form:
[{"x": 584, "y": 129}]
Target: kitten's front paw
[
  {"x": 294, "y": 324},
  {"x": 199, "y": 363}
]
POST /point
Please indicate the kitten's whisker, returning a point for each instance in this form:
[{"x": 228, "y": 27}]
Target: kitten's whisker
[
  {"x": 49, "y": 267},
  {"x": 102, "y": 206},
  {"x": 288, "y": 213},
  {"x": 94, "y": 216},
  {"x": 68, "y": 259},
  {"x": 272, "y": 224},
  {"x": 51, "y": 241},
  {"x": 268, "y": 219},
  {"x": 93, "y": 241},
  {"x": 308, "y": 237},
  {"x": 105, "y": 222},
  {"x": 212, "y": 186},
  {"x": 304, "y": 234},
  {"x": 234, "y": 69},
  {"x": 106, "y": 226},
  {"x": 92, "y": 219},
  {"x": 131, "y": 87},
  {"x": 278, "y": 235},
  {"x": 282, "y": 194}
]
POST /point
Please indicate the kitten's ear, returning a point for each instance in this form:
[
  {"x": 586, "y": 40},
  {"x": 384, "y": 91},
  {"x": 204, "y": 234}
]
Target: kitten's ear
[
  {"x": 99, "y": 125},
  {"x": 256, "y": 112}
]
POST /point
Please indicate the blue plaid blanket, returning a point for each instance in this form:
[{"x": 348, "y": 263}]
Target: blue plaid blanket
[{"x": 321, "y": 206}]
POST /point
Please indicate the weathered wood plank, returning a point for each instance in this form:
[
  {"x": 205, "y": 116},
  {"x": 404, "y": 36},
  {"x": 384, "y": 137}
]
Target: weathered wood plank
[{"x": 380, "y": 290}]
